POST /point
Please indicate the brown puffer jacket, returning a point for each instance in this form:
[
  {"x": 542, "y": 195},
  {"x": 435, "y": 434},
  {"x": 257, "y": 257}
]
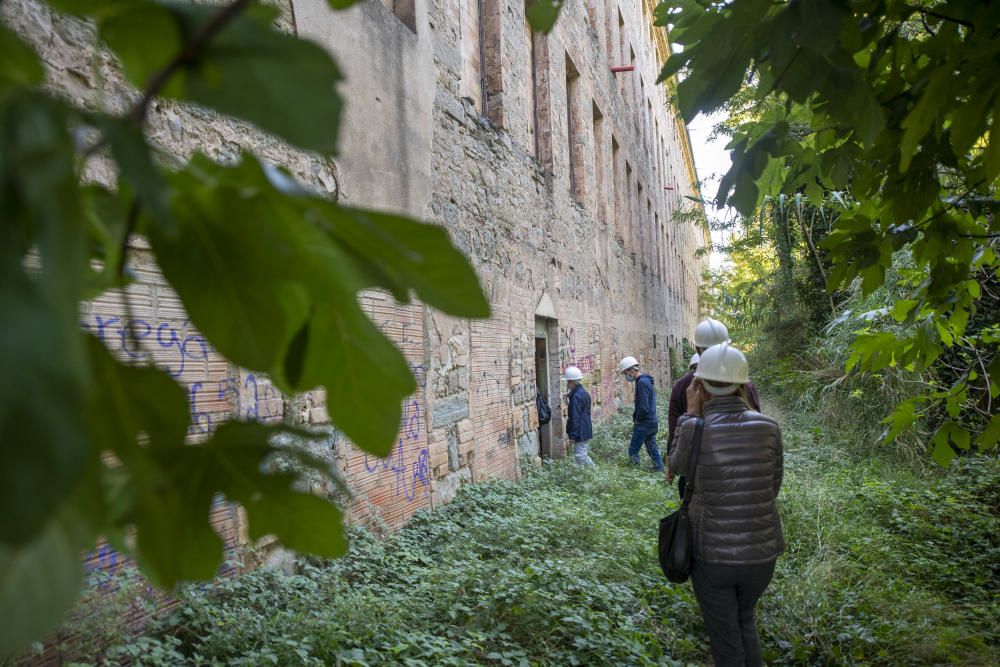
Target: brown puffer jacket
[{"x": 734, "y": 515}]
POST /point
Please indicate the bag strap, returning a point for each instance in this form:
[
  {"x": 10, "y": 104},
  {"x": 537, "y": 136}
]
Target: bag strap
[{"x": 699, "y": 427}]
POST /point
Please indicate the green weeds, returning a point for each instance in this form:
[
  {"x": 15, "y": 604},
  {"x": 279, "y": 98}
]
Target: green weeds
[{"x": 885, "y": 565}]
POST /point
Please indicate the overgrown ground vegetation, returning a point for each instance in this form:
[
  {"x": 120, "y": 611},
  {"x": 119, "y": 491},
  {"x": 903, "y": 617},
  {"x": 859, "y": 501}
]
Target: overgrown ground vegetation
[{"x": 887, "y": 563}]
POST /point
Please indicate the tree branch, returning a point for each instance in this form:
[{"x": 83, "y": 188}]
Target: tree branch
[
  {"x": 191, "y": 51},
  {"x": 923, "y": 19},
  {"x": 944, "y": 17},
  {"x": 995, "y": 235}
]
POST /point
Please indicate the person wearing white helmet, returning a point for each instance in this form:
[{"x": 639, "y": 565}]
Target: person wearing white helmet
[
  {"x": 737, "y": 469},
  {"x": 644, "y": 421},
  {"x": 693, "y": 364},
  {"x": 579, "y": 428},
  {"x": 709, "y": 332}
]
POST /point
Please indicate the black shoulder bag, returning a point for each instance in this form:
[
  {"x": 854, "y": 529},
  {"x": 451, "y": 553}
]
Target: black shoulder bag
[
  {"x": 676, "y": 543},
  {"x": 544, "y": 411}
]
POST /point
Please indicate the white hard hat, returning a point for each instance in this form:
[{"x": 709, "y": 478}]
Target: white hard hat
[
  {"x": 627, "y": 363},
  {"x": 710, "y": 332},
  {"x": 572, "y": 373},
  {"x": 722, "y": 363},
  {"x": 694, "y": 360}
]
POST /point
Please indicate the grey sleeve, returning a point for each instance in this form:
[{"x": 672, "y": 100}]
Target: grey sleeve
[
  {"x": 680, "y": 448},
  {"x": 779, "y": 463}
]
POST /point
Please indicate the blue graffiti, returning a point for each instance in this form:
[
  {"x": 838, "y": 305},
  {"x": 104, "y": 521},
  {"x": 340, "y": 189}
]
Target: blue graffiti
[
  {"x": 408, "y": 480},
  {"x": 411, "y": 419},
  {"x": 131, "y": 333},
  {"x": 421, "y": 473},
  {"x": 419, "y": 374},
  {"x": 201, "y": 422},
  {"x": 262, "y": 397},
  {"x": 228, "y": 386}
]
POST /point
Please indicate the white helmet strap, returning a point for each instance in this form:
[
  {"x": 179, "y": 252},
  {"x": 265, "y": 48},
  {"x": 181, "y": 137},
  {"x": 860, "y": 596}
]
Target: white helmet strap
[{"x": 724, "y": 390}]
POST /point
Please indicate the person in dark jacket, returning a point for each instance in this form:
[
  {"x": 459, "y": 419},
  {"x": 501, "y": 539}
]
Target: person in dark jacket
[
  {"x": 709, "y": 332},
  {"x": 644, "y": 422},
  {"x": 734, "y": 514},
  {"x": 579, "y": 427}
]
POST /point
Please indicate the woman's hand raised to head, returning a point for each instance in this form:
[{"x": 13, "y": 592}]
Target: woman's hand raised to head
[{"x": 694, "y": 394}]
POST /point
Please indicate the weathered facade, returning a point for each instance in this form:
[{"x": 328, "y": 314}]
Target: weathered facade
[{"x": 558, "y": 177}]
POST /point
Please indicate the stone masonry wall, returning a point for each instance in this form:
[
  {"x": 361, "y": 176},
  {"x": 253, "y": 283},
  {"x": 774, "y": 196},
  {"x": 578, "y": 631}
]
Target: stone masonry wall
[{"x": 597, "y": 261}]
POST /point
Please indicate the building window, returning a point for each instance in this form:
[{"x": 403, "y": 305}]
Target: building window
[
  {"x": 540, "y": 140},
  {"x": 471, "y": 85},
  {"x": 491, "y": 50},
  {"x": 628, "y": 223},
  {"x": 658, "y": 229},
  {"x": 405, "y": 11},
  {"x": 616, "y": 183},
  {"x": 649, "y": 240},
  {"x": 637, "y": 221},
  {"x": 611, "y": 43},
  {"x": 622, "y": 50},
  {"x": 649, "y": 128},
  {"x": 600, "y": 168},
  {"x": 574, "y": 134},
  {"x": 663, "y": 250},
  {"x": 482, "y": 79},
  {"x": 633, "y": 97},
  {"x": 529, "y": 40}
]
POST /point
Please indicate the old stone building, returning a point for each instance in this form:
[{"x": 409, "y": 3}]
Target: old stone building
[
  {"x": 555, "y": 163},
  {"x": 557, "y": 175}
]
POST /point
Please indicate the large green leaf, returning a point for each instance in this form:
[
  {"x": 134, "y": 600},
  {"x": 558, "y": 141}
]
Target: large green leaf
[
  {"x": 106, "y": 213},
  {"x": 933, "y": 102},
  {"x": 366, "y": 378},
  {"x": 171, "y": 499},
  {"x": 145, "y": 36},
  {"x": 241, "y": 69},
  {"x": 235, "y": 259},
  {"x": 235, "y": 455},
  {"x": 41, "y": 399},
  {"x": 990, "y": 435},
  {"x": 244, "y": 71},
  {"x": 172, "y": 484},
  {"x": 408, "y": 255},
  {"x": 146, "y": 402},
  {"x": 40, "y": 579},
  {"x": 286, "y": 269},
  {"x": 273, "y": 271},
  {"x": 137, "y": 173}
]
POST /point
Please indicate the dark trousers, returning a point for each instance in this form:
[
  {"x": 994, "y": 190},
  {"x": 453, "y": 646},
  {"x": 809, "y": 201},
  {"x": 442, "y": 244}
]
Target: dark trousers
[
  {"x": 645, "y": 434},
  {"x": 727, "y": 595}
]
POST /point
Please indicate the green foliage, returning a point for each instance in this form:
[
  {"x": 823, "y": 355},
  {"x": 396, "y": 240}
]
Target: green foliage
[
  {"x": 266, "y": 271},
  {"x": 890, "y": 106},
  {"x": 542, "y": 14},
  {"x": 885, "y": 565}
]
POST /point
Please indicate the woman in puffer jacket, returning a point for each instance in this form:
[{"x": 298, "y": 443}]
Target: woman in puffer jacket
[{"x": 734, "y": 516}]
